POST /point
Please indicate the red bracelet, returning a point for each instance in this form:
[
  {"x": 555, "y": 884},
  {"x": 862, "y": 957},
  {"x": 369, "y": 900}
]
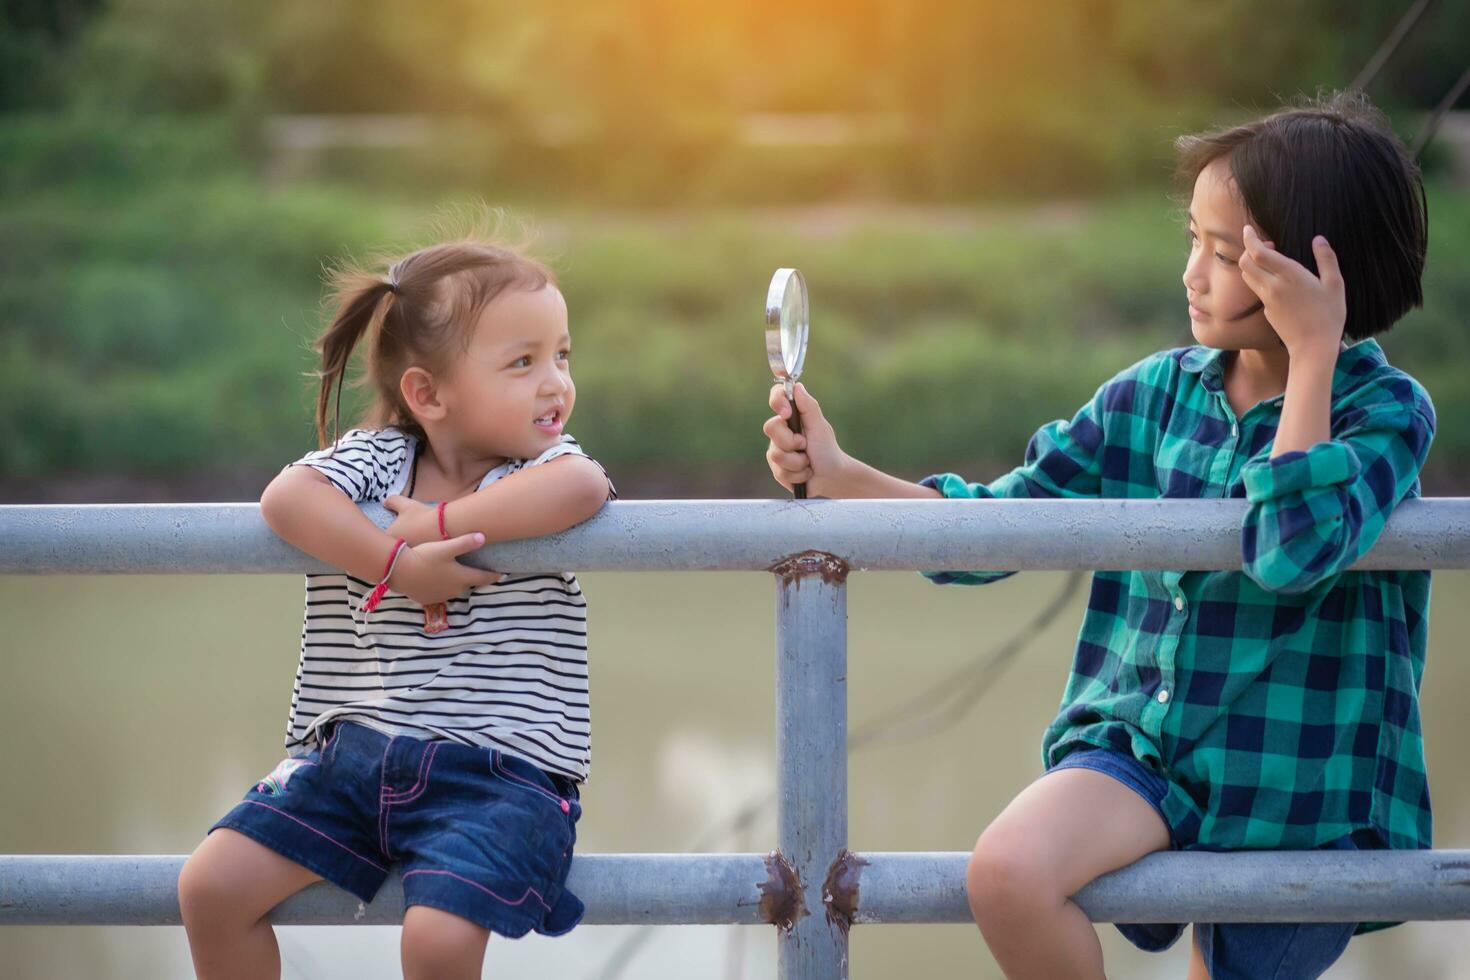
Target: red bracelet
[
  {"x": 376, "y": 596},
  {"x": 443, "y": 534}
]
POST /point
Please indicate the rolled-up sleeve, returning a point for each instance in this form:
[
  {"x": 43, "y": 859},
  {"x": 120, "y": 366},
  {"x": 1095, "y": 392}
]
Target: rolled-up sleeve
[
  {"x": 363, "y": 463},
  {"x": 1312, "y": 514},
  {"x": 1063, "y": 459}
]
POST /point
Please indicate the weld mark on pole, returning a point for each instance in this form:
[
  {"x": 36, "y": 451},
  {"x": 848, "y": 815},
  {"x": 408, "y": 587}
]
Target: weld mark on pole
[
  {"x": 832, "y": 569},
  {"x": 840, "y": 890},
  {"x": 783, "y": 900}
]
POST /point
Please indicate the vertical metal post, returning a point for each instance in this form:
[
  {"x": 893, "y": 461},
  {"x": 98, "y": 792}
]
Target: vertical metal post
[{"x": 811, "y": 749}]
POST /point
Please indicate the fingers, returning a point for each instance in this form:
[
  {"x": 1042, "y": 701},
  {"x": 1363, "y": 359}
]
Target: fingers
[
  {"x": 393, "y": 502},
  {"x": 788, "y": 462},
  {"x": 463, "y": 544},
  {"x": 779, "y": 404},
  {"x": 789, "y": 478},
  {"x": 806, "y": 404},
  {"x": 1327, "y": 267},
  {"x": 1253, "y": 275},
  {"x": 475, "y": 577},
  {"x": 787, "y": 467},
  {"x": 782, "y": 437},
  {"x": 1261, "y": 254}
]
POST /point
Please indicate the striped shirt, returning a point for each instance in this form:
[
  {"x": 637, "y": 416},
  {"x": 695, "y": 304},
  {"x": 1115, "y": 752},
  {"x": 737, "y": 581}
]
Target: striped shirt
[
  {"x": 1280, "y": 702},
  {"x": 509, "y": 672}
]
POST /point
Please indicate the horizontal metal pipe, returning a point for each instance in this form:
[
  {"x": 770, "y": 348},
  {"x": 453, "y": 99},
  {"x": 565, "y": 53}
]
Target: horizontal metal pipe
[
  {"x": 618, "y": 889},
  {"x": 891, "y": 887},
  {"x": 731, "y": 535},
  {"x": 1196, "y": 886}
]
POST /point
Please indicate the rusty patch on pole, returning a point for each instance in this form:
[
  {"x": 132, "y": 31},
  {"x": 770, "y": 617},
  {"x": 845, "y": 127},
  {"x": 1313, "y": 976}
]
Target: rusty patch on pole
[
  {"x": 832, "y": 569},
  {"x": 840, "y": 890},
  {"x": 783, "y": 899}
]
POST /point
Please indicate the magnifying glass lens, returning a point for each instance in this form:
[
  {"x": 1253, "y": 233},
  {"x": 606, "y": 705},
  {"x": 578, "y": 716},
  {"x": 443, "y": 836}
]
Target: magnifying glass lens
[
  {"x": 790, "y": 341},
  {"x": 792, "y": 315}
]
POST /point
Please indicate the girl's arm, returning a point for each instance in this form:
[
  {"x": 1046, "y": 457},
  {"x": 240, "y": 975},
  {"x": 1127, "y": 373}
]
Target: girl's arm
[
  {"x": 1322, "y": 499},
  {"x": 1315, "y": 512},
  {"x": 311, "y": 514},
  {"x": 303, "y": 507},
  {"x": 531, "y": 502},
  {"x": 1308, "y": 312},
  {"x": 814, "y": 458}
]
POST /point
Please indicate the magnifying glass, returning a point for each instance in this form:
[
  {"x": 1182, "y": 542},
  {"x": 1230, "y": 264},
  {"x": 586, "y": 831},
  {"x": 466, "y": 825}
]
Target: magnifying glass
[{"x": 788, "y": 325}]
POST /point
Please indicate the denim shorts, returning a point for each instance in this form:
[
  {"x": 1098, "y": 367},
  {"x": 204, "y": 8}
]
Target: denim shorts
[
  {"x": 476, "y": 832},
  {"x": 1231, "y": 950}
]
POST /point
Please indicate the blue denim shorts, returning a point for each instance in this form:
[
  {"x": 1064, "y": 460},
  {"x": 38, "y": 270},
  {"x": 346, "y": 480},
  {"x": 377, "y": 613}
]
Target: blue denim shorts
[
  {"x": 1231, "y": 950},
  {"x": 476, "y": 832}
]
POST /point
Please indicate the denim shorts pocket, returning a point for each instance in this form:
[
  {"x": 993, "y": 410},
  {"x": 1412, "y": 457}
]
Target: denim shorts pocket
[
  {"x": 278, "y": 780},
  {"x": 529, "y": 778}
]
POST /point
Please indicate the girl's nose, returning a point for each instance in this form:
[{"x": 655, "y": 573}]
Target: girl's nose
[{"x": 1193, "y": 278}]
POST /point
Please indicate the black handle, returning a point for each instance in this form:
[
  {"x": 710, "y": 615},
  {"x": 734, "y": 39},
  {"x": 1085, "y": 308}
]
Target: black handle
[{"x": 794, "y": 423}]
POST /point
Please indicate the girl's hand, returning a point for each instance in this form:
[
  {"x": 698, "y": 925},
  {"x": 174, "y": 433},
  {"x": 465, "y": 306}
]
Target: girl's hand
[
  {"x": 417, "y": 523},
  {"x": 811, "y": 457},
  {"x": 430, "y": 573},
  {"x": 1307, "y": 312}
]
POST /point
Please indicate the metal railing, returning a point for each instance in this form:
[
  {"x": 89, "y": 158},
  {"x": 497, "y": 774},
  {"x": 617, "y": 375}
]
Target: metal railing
[{"x": 811, "y": 886}]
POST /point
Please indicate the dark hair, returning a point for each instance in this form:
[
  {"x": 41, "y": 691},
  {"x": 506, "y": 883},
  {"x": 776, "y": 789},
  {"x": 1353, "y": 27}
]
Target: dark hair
[
  {"x": 420, "y": 313},
  {"x": 1330, "y": 166}
]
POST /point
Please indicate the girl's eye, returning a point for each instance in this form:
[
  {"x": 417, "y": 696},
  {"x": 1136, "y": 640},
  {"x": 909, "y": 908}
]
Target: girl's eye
[
  {"x": 565, "y": 355},
  {"x": 522, "y": 361},
  {"x": 1193, "y": 240}
]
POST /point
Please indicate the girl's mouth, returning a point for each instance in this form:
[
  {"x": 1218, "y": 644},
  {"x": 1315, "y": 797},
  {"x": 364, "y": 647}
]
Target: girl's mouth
[
  {"x": 1195, "y": 313},
  {"x": 550, "y": 422}
]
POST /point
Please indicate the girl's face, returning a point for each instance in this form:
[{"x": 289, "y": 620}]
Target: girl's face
[
  {"x": 1217, "y": 294},
  {"x": 512, "y": 393}
]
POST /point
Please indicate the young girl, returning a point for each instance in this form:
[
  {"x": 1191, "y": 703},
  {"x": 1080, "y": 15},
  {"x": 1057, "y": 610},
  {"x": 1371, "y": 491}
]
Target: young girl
[
  {"x": 440, "y": 713},
  {"x": 1271, "y": 708}
]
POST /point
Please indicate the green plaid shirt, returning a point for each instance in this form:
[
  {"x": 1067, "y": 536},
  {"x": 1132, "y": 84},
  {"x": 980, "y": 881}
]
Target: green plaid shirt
[{"x": 1281, "y": 702}]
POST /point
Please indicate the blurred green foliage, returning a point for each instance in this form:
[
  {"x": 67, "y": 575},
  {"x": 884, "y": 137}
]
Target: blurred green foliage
[
  {"x": 161, "y": 247},
  {"x": 159, "y": 316}
]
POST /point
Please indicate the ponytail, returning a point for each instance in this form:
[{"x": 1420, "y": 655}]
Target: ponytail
[{"x": 360, "y": 308}]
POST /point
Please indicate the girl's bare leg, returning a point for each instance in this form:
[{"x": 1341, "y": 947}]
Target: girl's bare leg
[
  {"x": 1197, "y": 970},
  {"x": 1061, "y": 832},
  {"x": 438, "y": 944},
  {"x": 226, "y": 889}
]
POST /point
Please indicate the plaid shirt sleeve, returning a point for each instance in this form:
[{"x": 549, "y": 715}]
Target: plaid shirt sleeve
[
  {"x": 1313, "y": 514},
  {"x": 1063, "y": 459}
]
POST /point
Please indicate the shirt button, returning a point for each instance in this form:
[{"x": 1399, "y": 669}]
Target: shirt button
[
  {"x": 1163, "y": 697},
  {"x": 1234, "y": 429},
  {"x": 1179, "y": 603}
]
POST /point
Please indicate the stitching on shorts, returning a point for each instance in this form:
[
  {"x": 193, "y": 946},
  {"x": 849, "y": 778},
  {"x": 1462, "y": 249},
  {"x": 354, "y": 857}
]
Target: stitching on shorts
[
  {"x": 383, "y": 811},
  {"x": 529, "y": 890},
  {"x": 496, "y": 765},
  {"x": 317, "y": 832},
  {"x": 383, "y": 805},
  {"x": 426, "y": 763}
]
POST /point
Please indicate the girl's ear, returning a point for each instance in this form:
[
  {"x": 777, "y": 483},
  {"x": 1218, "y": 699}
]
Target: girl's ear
[{"x": 421, "y": 394}]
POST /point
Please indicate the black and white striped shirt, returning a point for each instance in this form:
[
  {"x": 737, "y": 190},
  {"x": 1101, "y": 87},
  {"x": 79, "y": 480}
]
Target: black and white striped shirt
[{"x": 510, "y": 672}]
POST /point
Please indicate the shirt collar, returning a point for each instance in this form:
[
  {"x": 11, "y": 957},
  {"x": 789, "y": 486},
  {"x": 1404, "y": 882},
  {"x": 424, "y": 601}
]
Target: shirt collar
[{"x": 1352, "y": 362}]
